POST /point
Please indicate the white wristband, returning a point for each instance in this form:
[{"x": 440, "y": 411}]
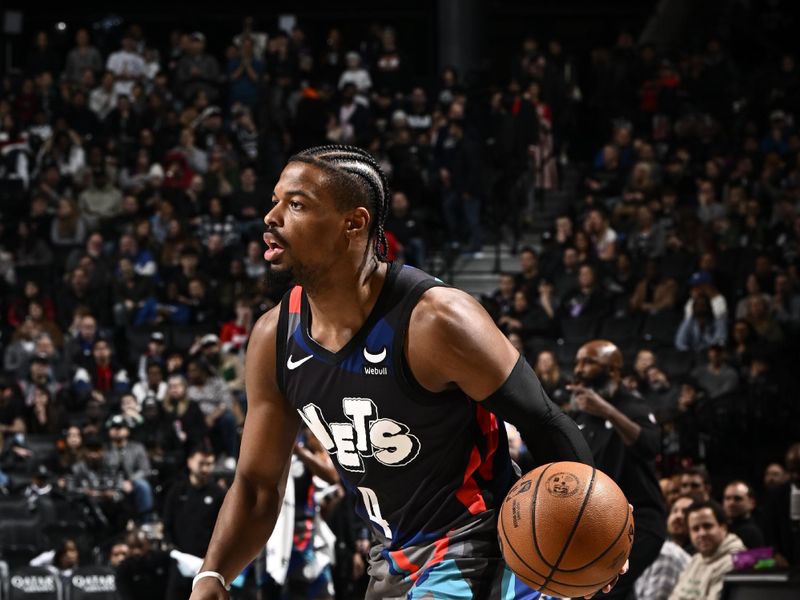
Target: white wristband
[{"x": 213, "y": 574}]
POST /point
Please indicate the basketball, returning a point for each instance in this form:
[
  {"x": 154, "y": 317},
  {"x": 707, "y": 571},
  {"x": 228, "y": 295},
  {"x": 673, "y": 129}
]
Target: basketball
[{"x": 565, "y": 529}]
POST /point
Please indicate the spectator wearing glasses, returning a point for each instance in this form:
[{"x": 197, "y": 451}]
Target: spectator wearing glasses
[{"x": 739, "y": 501}]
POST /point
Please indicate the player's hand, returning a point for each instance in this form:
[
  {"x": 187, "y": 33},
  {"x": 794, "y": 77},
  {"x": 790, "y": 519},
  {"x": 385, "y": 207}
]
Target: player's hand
[
  {"x": 589, "y": 401},
  {"x": 613, "y": 582},
  {"x": 209, "y": 588}
]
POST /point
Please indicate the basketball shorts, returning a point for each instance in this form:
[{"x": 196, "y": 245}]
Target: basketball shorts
[{"x": 465, "y": 564}]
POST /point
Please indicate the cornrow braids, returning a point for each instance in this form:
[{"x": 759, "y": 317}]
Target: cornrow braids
[{"x": 359, "y": 167}]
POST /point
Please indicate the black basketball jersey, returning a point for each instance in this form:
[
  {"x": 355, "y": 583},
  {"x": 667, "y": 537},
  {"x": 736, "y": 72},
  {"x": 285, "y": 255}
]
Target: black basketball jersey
[{"x": 420, "y": 463}]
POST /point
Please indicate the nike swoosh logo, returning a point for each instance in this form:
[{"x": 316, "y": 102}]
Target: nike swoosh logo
[
  {"x": 292, "y": 365},
  {"x": 375, "y": 358}
]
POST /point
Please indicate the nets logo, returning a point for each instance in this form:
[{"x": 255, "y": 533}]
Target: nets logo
[{"x": 365, "y": 435}]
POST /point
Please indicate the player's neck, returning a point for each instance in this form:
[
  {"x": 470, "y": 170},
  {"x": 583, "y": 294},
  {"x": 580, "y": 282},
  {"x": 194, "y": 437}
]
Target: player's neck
[{"x": 339, "y": 310}]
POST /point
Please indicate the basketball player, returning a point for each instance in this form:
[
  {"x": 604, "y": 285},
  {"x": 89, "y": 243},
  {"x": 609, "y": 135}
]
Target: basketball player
[{"x": 403, "y": 380}]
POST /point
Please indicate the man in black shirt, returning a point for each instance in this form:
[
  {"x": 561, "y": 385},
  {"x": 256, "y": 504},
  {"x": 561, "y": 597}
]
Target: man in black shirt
[
  {"x": 624, "y": 438},
  {"x": 190, "y": 511},
  {"x": 738, "y": 501}
]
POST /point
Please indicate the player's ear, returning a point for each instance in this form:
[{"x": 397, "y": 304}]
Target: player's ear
[{"x": 357, "y": 221}]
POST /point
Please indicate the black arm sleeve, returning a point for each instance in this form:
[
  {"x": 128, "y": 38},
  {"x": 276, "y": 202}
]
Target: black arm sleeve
[{"x": 549, "y": 434}]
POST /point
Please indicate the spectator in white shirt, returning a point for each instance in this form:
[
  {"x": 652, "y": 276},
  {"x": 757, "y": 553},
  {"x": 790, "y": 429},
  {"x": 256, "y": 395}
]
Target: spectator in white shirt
[{"x": 127, "y": 65}]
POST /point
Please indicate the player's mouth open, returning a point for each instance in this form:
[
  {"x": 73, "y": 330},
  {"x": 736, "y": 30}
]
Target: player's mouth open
[{"x": 274, "y": 249}]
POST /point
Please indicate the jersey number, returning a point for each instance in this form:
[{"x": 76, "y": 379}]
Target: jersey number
[{"x": 374, "y": 510}]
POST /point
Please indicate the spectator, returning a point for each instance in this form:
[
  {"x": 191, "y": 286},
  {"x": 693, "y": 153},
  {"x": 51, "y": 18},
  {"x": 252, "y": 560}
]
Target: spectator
[
  {"x": 12, "y": 409},
  {"x": 628, "y": 456},
  {"x": 127, "y": 66},
  {"x": 144, "y": 573},
  {"x": 407, "y": 230},
  {"x": 655, "y": 292},
  {"x": 153, "y": 386},
  {"x": 83, "y": 56},
  {"x": 763, "y": 324},
  {"x": 739, "y": 501},
  {"x": 71, "y": 451},
  {"x": 715, "y": 547},
  {"x": 190, "y": 512},
  {"x": 185, "y": 415},
  {"x": 101, "y": 200},
  {"x": 102, "y": 373},
  {"x": 44, "y": 416},
  {"x": 69, "y": 228},
  {"x": 461, "y": 185},
  {"x": 702, "y": 329},
  {"x": 528, "y": 319},
  {"x": 103, "y": 98},
  {"x": 527, "y": 280},
  {"x": 244, "y": 75},
  {"x": 553, "y": 382},
  {"x": 774, "y": 476},
  {"x": 129, "y": 459},
  {"x": 197, "y": 71},
  {"x": 214, "y": 399},
  {"x": 677, "y": 530},
  {"x": 716, "y": 378},
  {"x": 356, "y": 75},
  {"x": 780, "y": 522},
  {"x": 695, "y": 482},
  {"x": 587, "y": 300},
  {"x": 660, "y": 578},
  {"x": 603, "y": 236}
]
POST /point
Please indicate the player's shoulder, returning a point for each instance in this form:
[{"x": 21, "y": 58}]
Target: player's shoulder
[
  {"x": 444, "y": 308},
  {"x": 446, "y": 317},
  {"x": 265, "y": 331}
]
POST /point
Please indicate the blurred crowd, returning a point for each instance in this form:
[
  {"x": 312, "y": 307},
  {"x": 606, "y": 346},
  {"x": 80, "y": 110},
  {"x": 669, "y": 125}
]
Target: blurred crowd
[{"x": 135, "y": 178}]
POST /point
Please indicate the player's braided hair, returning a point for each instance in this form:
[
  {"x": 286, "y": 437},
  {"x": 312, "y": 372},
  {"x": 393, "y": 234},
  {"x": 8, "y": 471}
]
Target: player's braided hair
[{"x": 361, "y": 176}]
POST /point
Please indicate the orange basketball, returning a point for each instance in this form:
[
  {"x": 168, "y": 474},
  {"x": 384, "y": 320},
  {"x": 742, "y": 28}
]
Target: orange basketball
[{"x": 565, "y": 529}]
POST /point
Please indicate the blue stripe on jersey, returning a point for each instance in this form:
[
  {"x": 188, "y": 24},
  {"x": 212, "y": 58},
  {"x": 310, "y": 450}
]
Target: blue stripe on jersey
[
  {"x": 297, "y": 336},
  {"x": 443, "y": 581}
]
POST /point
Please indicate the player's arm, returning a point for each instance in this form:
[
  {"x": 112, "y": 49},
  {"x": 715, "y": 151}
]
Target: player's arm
[
  {"x": 472, "y": 353},
  {"x": 251, "y": 506}
]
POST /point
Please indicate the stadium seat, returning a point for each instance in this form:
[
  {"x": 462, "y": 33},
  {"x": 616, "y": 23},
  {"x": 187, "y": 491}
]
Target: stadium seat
[
  {"x": 136, "y": 339},
  {"x": 536, "y": 344},
  {"x": 34, "y": 583},
  {"x": 661, "y": 327},
  {"x": 43, "y": 447},
  {"x": 565, "y": 355},
  {"x": 578, "y": 329},
  {"x": 21, "y": 539},
  {"x": 674, "y": 363},
  {"x": 14, "y": 508},
  {"x": 621, "y": 329},
  {"x": 182, "y": 336},
  {"x": 92, "y": 583}
]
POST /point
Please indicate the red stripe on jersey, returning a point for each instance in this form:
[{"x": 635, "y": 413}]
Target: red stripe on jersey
[
  {"x": 469, "y": 494},
  {"x": 441, "y": 546},
  {"x": 488, "y": 424},
  {"x": 402, "y": 561},
  {"x": 294, "y": 299}
]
